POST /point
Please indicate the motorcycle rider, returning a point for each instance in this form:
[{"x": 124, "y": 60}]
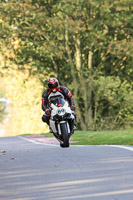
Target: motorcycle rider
[{"x": 54, "y": 90}]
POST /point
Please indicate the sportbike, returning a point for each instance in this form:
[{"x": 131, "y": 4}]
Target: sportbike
[{"x": 62, "y": 120}]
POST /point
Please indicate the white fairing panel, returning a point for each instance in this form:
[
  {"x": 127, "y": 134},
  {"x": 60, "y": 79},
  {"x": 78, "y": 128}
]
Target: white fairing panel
[{"x": 52, "y": 125}]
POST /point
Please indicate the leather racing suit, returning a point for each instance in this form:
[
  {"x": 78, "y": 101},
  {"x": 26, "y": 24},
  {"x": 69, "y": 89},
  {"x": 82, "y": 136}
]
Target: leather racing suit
[{"x": 47, "y": 94}]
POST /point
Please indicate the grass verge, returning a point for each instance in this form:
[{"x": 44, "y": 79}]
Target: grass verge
[{"x": 121, "y": 137}]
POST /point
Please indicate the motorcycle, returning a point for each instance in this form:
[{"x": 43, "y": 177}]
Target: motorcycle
[{"x": 61, "y": 121}]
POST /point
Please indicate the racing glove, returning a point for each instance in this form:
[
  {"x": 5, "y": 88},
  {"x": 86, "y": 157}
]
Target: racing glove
[
  {"x": 48, "y": 112},
  {"x": 73, "y": 107}
]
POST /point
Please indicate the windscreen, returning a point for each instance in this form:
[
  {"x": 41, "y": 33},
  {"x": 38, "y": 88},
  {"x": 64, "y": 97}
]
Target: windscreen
[{"x": 58, "y": 101}]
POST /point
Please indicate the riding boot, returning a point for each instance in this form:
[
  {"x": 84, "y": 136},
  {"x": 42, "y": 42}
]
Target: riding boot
[{"x": 45, "y": 119}]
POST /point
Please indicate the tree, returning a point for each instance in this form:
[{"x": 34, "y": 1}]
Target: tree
[{"x": 78, "y": 41}]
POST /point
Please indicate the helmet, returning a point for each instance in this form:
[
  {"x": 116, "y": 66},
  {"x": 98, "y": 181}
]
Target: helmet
[{"x": 53, "y": 83}]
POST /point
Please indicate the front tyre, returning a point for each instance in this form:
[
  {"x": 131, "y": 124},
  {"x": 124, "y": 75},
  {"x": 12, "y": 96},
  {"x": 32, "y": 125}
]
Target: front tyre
[{"x": 64, "y": 135}]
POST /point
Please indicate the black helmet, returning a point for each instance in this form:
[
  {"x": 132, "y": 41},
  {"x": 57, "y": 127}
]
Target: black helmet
[{"x": 53, "y": 83}]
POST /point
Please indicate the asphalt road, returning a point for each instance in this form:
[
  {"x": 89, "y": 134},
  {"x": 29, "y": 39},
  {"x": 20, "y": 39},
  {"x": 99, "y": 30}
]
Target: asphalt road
[{"x": 30, "y": 171}]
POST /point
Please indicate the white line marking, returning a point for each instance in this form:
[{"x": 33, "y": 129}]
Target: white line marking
[
  {"x": 56, "y": 145},
  {"x": 121, "y": 146},
  {"x": 35, "y": 142}
]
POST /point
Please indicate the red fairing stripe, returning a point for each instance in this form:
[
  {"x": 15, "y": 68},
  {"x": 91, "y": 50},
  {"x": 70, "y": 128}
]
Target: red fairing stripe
[{"x": 59, "y": 104}]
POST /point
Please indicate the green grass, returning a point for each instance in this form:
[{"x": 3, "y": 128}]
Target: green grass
[{"x": 121, "y": 137}]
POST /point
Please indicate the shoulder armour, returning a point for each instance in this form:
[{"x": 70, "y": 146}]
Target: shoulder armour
[{"x": 45, "y": 93}]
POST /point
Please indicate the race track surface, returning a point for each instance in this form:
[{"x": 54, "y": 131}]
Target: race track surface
[{"x": 35, "y": 170}]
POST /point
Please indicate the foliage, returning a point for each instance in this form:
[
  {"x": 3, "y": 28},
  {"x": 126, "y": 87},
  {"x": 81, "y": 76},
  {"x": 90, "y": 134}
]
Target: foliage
[
  {"x": 85, "y": 44},
  {"x": 25, "y": 107},
  {"x": 113, "y": 103},
  {"x": 3, "y": 112}
]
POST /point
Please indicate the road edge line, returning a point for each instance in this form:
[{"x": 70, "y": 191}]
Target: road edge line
[
  {"x": 55, "y": 145},
  {"x": 121, "y": 147},
  {"x": 35, "y": 142}
]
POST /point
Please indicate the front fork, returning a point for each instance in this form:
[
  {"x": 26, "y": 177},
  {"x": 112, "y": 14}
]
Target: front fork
[
  {"x": 55, "y": 126},
  {"x": 71, "y": 123},
  {"x": 59, "y": 129}
]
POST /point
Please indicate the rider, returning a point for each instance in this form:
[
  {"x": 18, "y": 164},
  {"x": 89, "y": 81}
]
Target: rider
[{"x": 54, "y": 90}]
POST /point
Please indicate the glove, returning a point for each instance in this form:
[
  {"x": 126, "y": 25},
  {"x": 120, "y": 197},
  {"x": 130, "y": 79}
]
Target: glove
[
  {"x": 48, "y": 112},
  {"x": 73, "y": 107}
]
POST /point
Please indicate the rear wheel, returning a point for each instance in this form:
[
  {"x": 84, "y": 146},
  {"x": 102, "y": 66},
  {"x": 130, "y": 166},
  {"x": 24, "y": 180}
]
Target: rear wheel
[{"x": 64, "y": 134}]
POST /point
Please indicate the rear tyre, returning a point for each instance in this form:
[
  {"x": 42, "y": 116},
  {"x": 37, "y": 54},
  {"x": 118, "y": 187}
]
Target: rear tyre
[{"x": 64, "y": 135}]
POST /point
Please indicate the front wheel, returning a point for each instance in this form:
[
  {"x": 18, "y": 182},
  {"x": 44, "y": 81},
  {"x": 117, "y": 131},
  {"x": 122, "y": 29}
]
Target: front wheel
[{"x": 64, "y": 135}]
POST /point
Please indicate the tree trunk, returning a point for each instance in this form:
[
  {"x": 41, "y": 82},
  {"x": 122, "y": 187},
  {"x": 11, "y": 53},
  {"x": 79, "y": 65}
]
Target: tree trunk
[
  {"x": 89, "y": 92},
  {"x": 81, "y": 84},
  {"x": 71, "y": 62}
]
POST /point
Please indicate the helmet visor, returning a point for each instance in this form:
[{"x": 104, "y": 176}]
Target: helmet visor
[{"x": 53, "y": 85}]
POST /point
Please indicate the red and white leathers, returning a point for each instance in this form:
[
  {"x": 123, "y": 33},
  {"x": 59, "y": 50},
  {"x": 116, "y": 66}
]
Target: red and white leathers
[
  {"x": 55, "y": 92},
  {"x": 60, "y": 90}
]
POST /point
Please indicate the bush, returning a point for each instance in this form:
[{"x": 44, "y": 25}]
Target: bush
[{"x": 112, "y": 106}]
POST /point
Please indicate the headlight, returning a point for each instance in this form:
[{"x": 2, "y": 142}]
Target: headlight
[{"x": 61, "y": 111}]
